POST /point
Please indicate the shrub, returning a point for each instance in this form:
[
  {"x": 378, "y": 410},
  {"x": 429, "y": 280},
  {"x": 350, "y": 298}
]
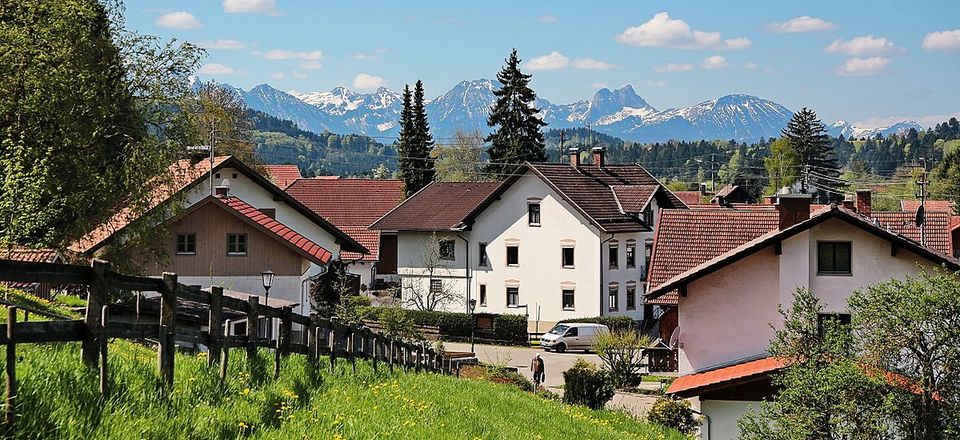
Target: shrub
[
  {"x": 615, "y": 323},
  {"x": 673, "y": 413},
  {"x": 501, "y": 375},
  {"x": 586, "y": 385},
  {"x": 622, "y": 353},
  {"x": 353, "y": 309},
  {"x": 510, "y": 328},
  {"x": 396, "y": 323}
]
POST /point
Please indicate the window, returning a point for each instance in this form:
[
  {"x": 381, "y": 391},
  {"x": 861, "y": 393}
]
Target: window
[
  {"x": 631, "y": 297},
  {"x": 446, "y": 248},
  {"x": 483, "y": 295},
  {"x": 567, "y": 257},
  {"x": 483, "y": 255},
  {"x": 436, "y": 287},
  {"x": 614, "y": 296},
  {"x": 186, "y": 244},
  {"x": 533, "y": 214},
  {"x": 648, "y": 217},
  {"x": 631, "y": 254},
  {"x": 572, "y": 331},
  {"x": 567, "y": 299},
  {"x": 236, "y": 244},
  {"x": 234, "y": 176},
  {"x": 513, "y": 296},
  {"x": 614, "y": 255},
  {"x": 842, "y": 319},
  {"x": 647, "y": 253},
  {"x": 833, "y": 257},
  {"x": 269, "y": 212},
  {"x": 513, "y": 255}
]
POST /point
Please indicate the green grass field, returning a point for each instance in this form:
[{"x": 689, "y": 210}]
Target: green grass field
[{"x": 58, "y": 398}]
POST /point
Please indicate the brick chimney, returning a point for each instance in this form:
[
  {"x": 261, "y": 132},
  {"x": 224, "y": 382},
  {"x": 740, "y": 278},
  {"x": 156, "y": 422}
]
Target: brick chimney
[
  {"x": 849, "y": 205},
  {"x": 574, "y": 153},
  {"x": 223, "y": 189},
  {"x": 598, "y": 156},
  {"x": 793, "y": 209},
  {"x": 864, "y": 205}
]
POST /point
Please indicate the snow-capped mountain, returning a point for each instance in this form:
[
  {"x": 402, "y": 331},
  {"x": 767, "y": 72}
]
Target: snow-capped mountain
[
  {"x": 621, "y": 113},
  {"x": 849, "y": 130}
]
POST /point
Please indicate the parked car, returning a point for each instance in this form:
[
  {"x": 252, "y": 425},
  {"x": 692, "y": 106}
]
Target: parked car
[{"x": 572, "y": 336}]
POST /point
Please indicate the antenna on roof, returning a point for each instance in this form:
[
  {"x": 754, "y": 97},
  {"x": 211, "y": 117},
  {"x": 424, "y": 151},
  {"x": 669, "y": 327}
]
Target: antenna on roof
[{"x": 921, "y": 211}]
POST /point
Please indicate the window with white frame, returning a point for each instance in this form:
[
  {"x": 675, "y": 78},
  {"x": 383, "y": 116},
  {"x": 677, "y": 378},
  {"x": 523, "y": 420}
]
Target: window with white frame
[
  {"x": 236, "y": 244},
  {"x": 513, "y": 296},
  {"x": 483, "y": 295},
  {"x": 613, "y": 254},
  {"x": 513, "y": 255},
  {"x": 631, "y": 254},
  {"x": 631, "y": 296},
  {"x": 447, "y": 248},
  {"x": 436, "y": 287},
  {"x": 613, "y": 303},
  {"x": 567, "y": 298},
  {"x": 533, "y": 213},
  {"x": 482, "y": 260},
  {"x": 186, "y": 244}
]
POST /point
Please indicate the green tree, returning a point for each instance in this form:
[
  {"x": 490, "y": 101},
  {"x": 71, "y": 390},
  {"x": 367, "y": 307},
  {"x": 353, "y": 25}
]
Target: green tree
[
  {"x": 222, "y": 111},
  {"x": 782, "y": 165},
  {"x": 909, "y": 327},
  {"x": 810, "y": 140},
  {"x": 517, "y": 137},
  {"x": 460, "y": 161},
  {"x": 824, "y": 393},
  {"x": 88, "y": 117},
  {"x": 415, "y": 142},
  {"x": 946, "y": 178}
]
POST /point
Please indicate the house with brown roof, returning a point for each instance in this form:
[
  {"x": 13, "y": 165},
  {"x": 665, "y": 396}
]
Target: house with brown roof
[
  {"x": 556, "y": 241},
  {"x": 227, "y": 224},
  {"x": 947, "y": 206},
  {"x": 352, "y": 205},
  {"x": 282, "y": 175},
  {"x": 734, "y": 269},
  {"x": 33, "y": 255}
]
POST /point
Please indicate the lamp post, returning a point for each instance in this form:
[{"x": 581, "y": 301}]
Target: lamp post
[
  {"x": 267, "y": 277},
  {"x": 473, "y": 319}
]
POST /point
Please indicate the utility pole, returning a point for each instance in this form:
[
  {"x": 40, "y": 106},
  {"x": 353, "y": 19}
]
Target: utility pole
[
  {"x": 803, "y": 180},
  {"x": 213, "y": 140},
  {"x": 713, "y": 178},
  {"x": 560, "y": 147},
  {"x": 921, "y": 211}
]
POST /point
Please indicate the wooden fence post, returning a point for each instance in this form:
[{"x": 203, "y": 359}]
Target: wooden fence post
[
  {"x": 102, "y": 342},
  {"x": 352, "y": 346},
  {"x": 98, "y": 295},
  {"x": 11, "y": 370},
  {"x": 416, "y": 358},
  {"x": 333, "y": 343},
  {"x": 168, "y": 327},
  {"x": 458, "y": 369},
  {"x": 311, "y": 336},
  {"x": 215, "y": 325},
  {"x": 253, "y": 324},
  {"x": 283, "y": 340},
  {"x": 225, "y": 353},
  {"x": 391, "y": 356},
  {"x": 374, "y": 344}
]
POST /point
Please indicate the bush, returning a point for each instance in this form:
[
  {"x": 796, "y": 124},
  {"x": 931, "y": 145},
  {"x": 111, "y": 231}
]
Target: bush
[
  {"x": 673, "y": 413},
  {"x": 501, "y": 375},
  {"x": 622, "y": 353},
  {"x": 396, "y": 323},
  {"x": 615, "y": 323},
  {"x": 586, "y": 385},
  {"x": 510, "y": 328}
]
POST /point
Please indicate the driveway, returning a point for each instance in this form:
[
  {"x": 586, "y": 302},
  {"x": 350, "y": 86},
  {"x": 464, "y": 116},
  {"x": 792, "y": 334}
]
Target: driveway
[{"x": 554, "y": 364}]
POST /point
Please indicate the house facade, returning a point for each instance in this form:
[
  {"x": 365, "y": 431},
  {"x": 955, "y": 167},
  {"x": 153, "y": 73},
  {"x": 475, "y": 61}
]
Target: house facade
[
  {"x": 727, "y": 306},
  {"x": 555, "y": 241}
]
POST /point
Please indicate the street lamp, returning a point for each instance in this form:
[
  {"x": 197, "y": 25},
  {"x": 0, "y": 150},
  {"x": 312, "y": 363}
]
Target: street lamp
[
  {"x": 267, "y": 277},
  {"x": 473, "y": 327}
]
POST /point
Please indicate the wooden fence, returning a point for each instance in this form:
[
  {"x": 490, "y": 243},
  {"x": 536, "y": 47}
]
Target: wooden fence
[{"x": 323, "y": 337}]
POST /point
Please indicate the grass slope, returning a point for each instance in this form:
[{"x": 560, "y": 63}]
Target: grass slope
[{"x": 58, "y": 399}]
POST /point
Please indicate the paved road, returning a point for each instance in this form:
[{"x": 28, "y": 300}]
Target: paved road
[{"x": 554, "y": 364}]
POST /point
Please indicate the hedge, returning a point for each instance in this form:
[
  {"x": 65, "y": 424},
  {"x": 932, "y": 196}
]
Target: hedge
[
  {"x": 508, "y": 328},
  {"x": 613, "y": 322}
]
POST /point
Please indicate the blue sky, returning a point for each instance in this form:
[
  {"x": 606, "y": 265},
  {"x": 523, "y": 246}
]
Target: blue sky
[{"x": 846, "y": 60}]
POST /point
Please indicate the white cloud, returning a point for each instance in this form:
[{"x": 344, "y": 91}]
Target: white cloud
[
  {"x": 863, "y": 66},
  {"x": 591, "y": 64},
  {"x": 221, "y": 44},
  {"x": 944, "y": 40},
  {"x": 311, "y": 65},
  {"x": 282, "y": 54},
  {"x": 654, "y": 83},
  {"x": 673, "y": 67},
  {"x": 548, "y": 18},
  {"x": 178, "y": 20},
  {"x": 552, "y": 61},
  {"x": 866, "y": 45},
  {"x": 367, "y": 82},
  {"x": 216, "y": 69},
  {"x": 259, "y": 6},
  {"x": 298, "y": 75},
  {"x": 366, "y": 56},
  {"x": 662, "y": 31},
  {"x": 277, "y": 75},
  {"x": 750, "y": 66},
  {"x": 714, "y": 62},
  {"x": 805, "y": 23}
]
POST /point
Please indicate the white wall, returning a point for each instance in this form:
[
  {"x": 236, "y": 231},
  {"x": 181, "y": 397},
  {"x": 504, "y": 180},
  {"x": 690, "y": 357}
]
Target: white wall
[
  {"x": 723, "y": 416},
  {"x": 413, "y": 273},
  {"x": 623, "y": 275}
]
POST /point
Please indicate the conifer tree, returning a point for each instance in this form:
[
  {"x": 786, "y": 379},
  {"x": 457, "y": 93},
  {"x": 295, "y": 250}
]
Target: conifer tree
[
  {"x": 415, "y": 143},
  {"x": 819, "y": 167},
  {"x": 423, "y": 141},
  {"x": 517, "y": 138},
  {"x": 406, "y": 168}
]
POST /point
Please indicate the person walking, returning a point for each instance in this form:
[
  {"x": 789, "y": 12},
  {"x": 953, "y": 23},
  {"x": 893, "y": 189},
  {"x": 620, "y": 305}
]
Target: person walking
[{"x": 539, "y": 372}]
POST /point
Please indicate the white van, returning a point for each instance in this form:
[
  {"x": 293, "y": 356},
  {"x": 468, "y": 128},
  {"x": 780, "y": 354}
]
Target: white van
[{"x": 572, "y": 336}]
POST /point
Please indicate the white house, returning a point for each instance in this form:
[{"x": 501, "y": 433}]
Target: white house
[
  {"x": 564, "y": 240},
  {"x": 727, "y": 304}
]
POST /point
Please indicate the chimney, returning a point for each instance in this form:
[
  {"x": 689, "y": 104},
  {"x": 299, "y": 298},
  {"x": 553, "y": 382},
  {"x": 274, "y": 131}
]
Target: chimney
[
  {"x": 849, "y": 205},
  {"x": 574, "y": 153},
  {"x": 770, "y": 200},
  {"x": 223, "y": 189},
  {"x": 598, "y": 153},
  {"x": 864, "y": 206},
  {"x": 793, "y": 209}
]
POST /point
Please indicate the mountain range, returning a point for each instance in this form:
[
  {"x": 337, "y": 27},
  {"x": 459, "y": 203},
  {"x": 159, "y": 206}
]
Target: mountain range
[{"x": 620, "y": 112}]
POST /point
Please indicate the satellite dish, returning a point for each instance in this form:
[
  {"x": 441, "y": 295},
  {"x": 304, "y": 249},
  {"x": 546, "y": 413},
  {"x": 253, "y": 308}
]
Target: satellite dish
[
  {"x": 675, "y": 338},
  {"x": 921, "y": 216}
]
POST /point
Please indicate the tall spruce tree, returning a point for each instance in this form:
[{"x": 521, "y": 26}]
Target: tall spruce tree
[
  {"x": 406, "y": 167},
  {"x": 517, "y": 138},
  {"x": 819, "y": 167},
  {"x": 423, "y": 141},
  {"x": 415, "y": 142}
]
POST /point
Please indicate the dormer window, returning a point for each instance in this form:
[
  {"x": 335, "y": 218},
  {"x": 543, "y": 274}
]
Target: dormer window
[{"x": 648, "y": 216}]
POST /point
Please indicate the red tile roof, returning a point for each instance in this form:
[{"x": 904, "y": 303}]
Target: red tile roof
[
  {"x": 689, "y": 197},
  {"x": 928, "y": 206},
  {"x": 687, "y": 238},
  {"x": 368, "y": 238},
  {"x": 302, "y": 245},
  {"x": 693, "y": 384},
  {"x": 282, "y": 175},
  {"x": 440, "y": 206},
  {"x": 633, "y": 198},
  {"x": 937, "y": 227},
  {"x": 30, "y": 255}
]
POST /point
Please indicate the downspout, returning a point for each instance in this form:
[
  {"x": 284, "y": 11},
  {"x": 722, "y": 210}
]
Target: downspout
[
  {"x": 702, "y": 436},
  {"x": 602, "y": 270},
  {"x": 466, "y": 270}
]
